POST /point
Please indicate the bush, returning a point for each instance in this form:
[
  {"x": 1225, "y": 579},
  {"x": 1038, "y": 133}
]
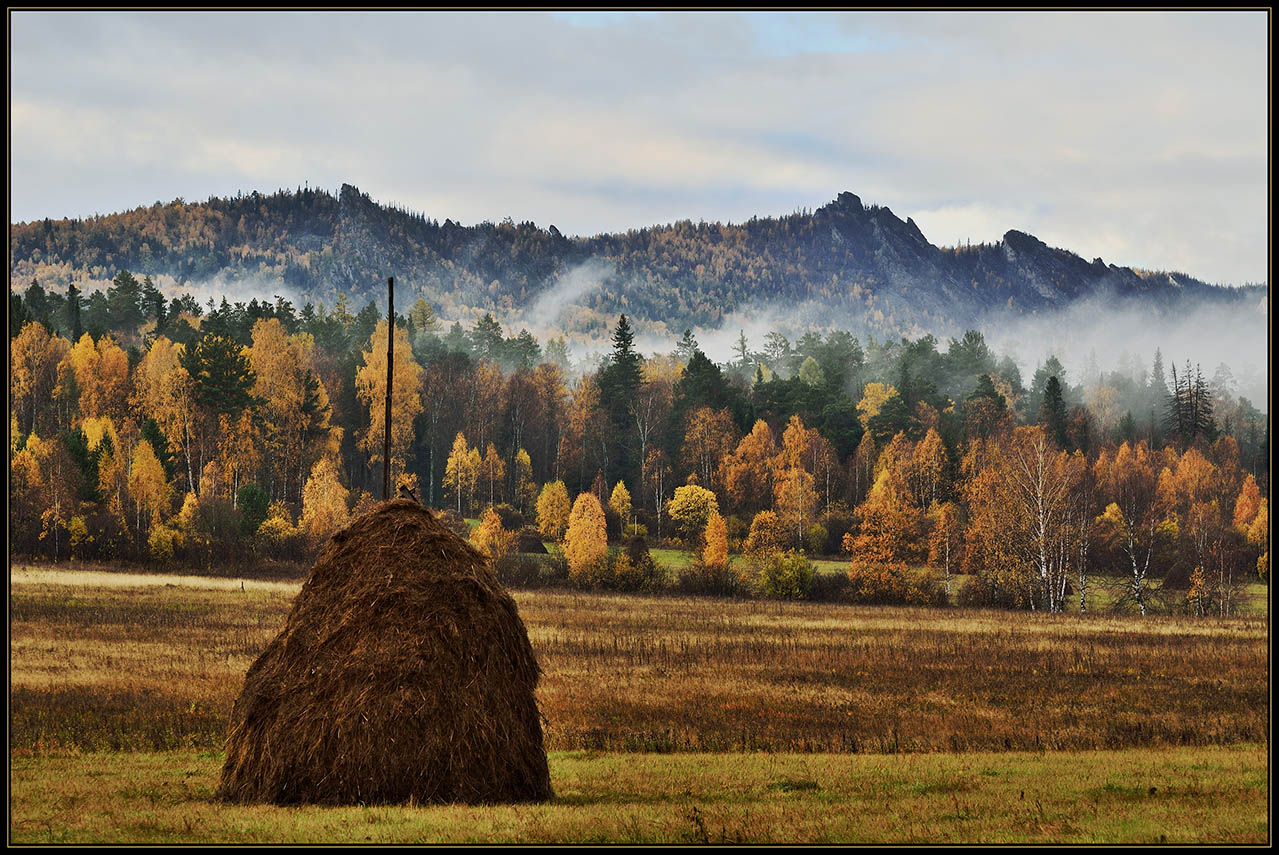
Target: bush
[
  {"x": 892, "y": 583},
  {"x": 829, "y": 588},
  {"x": 698, "y": 578},
  {"x": 278, "y": 538},
  {"x": 454, "y": 522},
  {"x": 785, "y": 576},
  {"x": 980, "y": 592},
  {"x": 637, "y": 530},
  {"x": 519, "y": 571},
  {"x": 636, "y": 571},
  {"x": 512, "y": 519}
]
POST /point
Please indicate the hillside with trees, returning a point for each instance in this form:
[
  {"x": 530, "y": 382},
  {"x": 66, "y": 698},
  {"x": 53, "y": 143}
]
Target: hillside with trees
[{"x": 857, "y": 262}]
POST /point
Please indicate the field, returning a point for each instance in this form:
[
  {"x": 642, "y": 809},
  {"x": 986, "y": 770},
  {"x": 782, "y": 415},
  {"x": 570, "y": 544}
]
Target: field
[{"x": 860, "y": 723}]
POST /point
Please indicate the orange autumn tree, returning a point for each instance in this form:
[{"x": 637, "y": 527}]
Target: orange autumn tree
[
  {"x": 709, "y": 436},
  {"x": 747, "y": 473},
  {"x": 715, "y": 550},
  {"x": 1134, "y": 519},
  {"x": 890, "y": 522},
  {"x": 586, "y": 541},
  {"x": 945, "y": 538}
]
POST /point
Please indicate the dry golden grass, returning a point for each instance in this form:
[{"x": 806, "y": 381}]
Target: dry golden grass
[{"x": 146, "y": 668}]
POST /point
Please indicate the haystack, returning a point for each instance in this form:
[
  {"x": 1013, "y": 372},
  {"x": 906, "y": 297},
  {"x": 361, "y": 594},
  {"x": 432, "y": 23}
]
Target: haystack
[
  {"x": 403, "y": 673},
  {"x": 530, "y": 541}
]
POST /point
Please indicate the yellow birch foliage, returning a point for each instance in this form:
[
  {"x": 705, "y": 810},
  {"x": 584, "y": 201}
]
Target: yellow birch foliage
[
  {"x": 620, "y": 502},
  {"x": 525, "y": 486},
  {"x": 406, "y": 397},
  {"x": 690, "y": 508},
  {"x": 553, "y": 511},
  {"x": 460, "y": 471},
  {"x": 323, "y": 503},
  {"x": 766, "y": 534},
  {"x": 490, "y": 538},
  {"x": 102, "y": 375},
  {"x": 873, "y": 397},
  {"x": 147, "y": 485}
]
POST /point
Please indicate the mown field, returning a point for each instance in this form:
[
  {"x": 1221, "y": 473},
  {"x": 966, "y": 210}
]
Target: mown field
[
  {"x": 1176, "y": 795},
  {"x": 650, "y": 702}
]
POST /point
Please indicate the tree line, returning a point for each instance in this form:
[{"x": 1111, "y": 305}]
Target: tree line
[{"x": 172, "y": 431}]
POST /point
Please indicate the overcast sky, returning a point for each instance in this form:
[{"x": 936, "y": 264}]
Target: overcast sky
[{"x": 1138, "y": 137}]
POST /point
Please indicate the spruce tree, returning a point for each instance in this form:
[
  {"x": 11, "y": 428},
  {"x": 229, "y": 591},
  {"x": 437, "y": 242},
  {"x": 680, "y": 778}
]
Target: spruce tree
[{"x": 1053, "y": 412}]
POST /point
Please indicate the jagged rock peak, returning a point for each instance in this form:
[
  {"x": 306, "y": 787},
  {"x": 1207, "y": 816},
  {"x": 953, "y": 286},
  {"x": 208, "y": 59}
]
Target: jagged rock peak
[{"x": 848, "y": 201}]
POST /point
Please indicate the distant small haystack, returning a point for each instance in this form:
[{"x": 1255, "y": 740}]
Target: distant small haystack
[
  {"x": 530, "y": 541},
  {"x": 403, "y": 673}
]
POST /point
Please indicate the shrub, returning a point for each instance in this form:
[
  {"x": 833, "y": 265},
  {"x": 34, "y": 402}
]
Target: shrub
[
  {"x": 491, "y": 537},
  {"x": 785, "y": 576},
  {"x": 277, "y": 537},
  {"x": 163, "y": 542},
  {"x": 636, "y": 572},
  {"x": 453, "y": 521},
  {"x": 892, "y": 583},
  {"x": 512, "y": 519},
  {"x": 829, "y": 587},
  {"x": 519, "y": 571},
  {"x": 698, "y": 578}
]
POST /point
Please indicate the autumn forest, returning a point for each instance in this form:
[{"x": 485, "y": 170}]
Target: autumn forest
[{"x": 172, "y": 433}]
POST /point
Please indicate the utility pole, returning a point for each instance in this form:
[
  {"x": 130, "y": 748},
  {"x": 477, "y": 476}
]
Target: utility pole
[{"x": 390, "y": 378}]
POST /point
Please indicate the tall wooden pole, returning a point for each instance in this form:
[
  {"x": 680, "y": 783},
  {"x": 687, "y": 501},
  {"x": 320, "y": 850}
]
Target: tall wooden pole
[{"x": 390, "y": 378}]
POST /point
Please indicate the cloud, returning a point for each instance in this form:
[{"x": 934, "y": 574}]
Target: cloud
[{"x": 1140, "y": 137}]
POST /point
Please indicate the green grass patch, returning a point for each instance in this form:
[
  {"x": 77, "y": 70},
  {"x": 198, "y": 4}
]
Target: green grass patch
[{"x": 1143, "y": 796}]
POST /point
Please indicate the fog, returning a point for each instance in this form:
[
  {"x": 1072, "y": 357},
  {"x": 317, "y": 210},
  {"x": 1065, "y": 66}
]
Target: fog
[
  {"x": 1207, "y": 334},
  {"x": 1094, "y": 334}
]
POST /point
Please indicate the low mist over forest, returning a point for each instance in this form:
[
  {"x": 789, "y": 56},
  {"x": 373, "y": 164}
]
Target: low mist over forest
[{"x": 846, "y": 266}]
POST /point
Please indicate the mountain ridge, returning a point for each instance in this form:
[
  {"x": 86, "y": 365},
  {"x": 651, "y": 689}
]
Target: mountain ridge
[{"x": 846, "y": 258}]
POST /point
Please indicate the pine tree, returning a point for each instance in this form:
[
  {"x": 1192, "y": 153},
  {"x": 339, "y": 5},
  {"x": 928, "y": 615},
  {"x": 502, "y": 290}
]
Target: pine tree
[
  {"x": 72, "y": 308},
  {"x": 1053, "y": 412}
]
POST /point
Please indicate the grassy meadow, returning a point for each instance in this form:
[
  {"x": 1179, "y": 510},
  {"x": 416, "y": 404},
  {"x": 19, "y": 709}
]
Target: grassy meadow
[{"x": 676, "y": 716}]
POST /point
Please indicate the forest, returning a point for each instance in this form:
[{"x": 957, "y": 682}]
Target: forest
[{"x": 165, "y": 431}]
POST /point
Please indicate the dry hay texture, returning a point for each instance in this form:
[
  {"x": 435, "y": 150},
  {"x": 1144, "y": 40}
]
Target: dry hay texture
[{"x": 403, "y": 674}]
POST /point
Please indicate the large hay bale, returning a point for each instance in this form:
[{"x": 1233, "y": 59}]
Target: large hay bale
[
  {"x": 403, "y": 673},
  {"x": 530, "y": 541}
]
